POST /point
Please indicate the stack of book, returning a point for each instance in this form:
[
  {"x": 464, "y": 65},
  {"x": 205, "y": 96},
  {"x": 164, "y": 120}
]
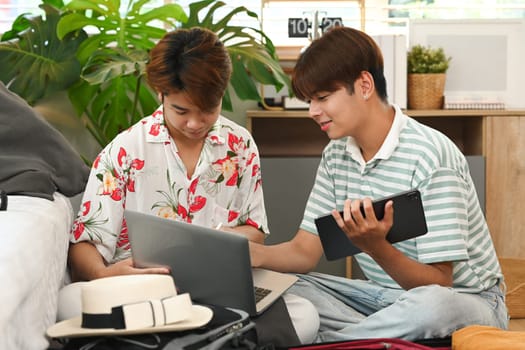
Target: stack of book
[
  {"x": 294, "y": 103},
  {"x": 476, "y": 102}
]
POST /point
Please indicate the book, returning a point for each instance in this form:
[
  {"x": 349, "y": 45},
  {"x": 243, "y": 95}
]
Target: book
[
  {"x": 472, "y": 102},
  {"x": 294, "y": 103}
]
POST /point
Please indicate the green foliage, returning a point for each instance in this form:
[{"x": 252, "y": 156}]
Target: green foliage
[
  {"x": 104, "y": 72},
  {"x": 34, "y": 62},
  {"x": 421, "y": 59},
  {"x": 112, "y": 94},
  {"x": 253, "y": 54}
]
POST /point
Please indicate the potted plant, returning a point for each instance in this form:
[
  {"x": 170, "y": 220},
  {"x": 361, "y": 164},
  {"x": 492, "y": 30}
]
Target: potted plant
[
  {"x": 105, "y": 79},
  {"x": 427, "y": 69}
]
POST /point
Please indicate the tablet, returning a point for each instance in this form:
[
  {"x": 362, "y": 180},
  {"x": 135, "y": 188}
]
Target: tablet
[{"x": 409, "y": 222}]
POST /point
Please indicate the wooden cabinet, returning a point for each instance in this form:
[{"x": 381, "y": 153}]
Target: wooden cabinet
[
  {"x": 504, "y": 149},
  {"x": 498, "y": 135}
]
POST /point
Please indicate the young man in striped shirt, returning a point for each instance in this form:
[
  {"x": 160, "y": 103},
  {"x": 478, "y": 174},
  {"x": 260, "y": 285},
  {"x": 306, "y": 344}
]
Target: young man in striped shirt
[{"x": 426, "y": 287}]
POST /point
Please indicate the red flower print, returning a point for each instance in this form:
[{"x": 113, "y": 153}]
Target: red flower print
[
  {"x": 256, "y": 173},
  {"x": 86, "y": 206},
  {"x": 197, "y": 204},
  {"x": 137, "y": 164},
  {"x": 233, "y": 141},
  {"x": 117, "y": 179},
  {"x": 182, "y": 212},
  {"x": 228, "y": 168},
  {"x": 250, "y": 159},
  {"x": 116, "y": 195},
  {"x": 109, "y": 183},
  {"x": 96, "y": 162},
  {"x": 193, "y": 186},
  {"x": 232, "y": 181},
  {"x": 88, "y": 223},
  {"x": 155, "y": 130},
  {"x": 255, "y": 170},
  {"x": 78, "y": 229},
  {"x": 131, "y": 186},
  {"x": 252, "y": 223},
  {"x": 232, "y": 215},
  {"x": 123, "y": 239},
  {"x": 236, "y": 144},
  {"x": 121, "y": 156}
]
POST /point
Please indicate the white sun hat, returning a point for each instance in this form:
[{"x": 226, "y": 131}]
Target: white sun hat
[{"x": 132, "y": 304}]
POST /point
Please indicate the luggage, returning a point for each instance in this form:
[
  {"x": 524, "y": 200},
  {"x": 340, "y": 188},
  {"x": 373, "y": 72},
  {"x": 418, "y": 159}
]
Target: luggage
[
  {"x": 228, "y": 329},
  {"x": 487, "y": 338},
  {"x": 377, "y": 344}
]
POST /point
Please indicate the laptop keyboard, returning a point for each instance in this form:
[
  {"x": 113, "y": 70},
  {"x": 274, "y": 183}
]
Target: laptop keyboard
[{"x": 260, "y": 293}]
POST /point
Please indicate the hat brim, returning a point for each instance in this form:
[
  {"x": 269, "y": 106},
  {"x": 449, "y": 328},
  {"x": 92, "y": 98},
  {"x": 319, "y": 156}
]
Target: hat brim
[{"x": 71, "y": 328}]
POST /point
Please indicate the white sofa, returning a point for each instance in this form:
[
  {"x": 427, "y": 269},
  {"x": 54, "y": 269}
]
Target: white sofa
[
  {"x": 39, "y": 170},
  {"x": 33, "y": 252}
]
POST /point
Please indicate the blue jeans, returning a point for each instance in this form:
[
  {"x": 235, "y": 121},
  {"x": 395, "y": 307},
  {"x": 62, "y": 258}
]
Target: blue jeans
[{"x": 358, "y": 309}]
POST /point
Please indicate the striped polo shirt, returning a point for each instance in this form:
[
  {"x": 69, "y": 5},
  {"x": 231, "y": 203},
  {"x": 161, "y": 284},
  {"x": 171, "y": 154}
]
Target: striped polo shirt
[{"x": 413, "y": 156}]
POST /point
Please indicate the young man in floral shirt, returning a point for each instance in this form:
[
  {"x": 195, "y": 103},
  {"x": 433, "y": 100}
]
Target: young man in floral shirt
[{"x": 185, "y": 162}]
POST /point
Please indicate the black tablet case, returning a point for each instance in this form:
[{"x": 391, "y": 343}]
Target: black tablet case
[{"x": 409, "y": 222}]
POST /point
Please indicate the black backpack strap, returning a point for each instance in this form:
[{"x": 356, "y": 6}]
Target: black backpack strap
[{"x": 3, "y": 200}]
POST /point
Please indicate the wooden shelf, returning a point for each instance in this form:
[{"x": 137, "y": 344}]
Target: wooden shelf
[
  {"x": 292, "y": 133},
  {"x": 423, "y": 113},
  {"x": 472, "y": 113}
]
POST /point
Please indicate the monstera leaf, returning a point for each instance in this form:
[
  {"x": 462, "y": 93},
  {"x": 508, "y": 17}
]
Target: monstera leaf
[
  {"x": 112, "y": 94},
  {"x": 135, "y": 28},
  {"x": 34, "y": 62},
  {"x": 252, "y": 53}
]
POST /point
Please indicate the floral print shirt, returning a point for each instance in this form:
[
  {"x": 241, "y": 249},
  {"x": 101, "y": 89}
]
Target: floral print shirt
[{"x": 142, "y": 171}]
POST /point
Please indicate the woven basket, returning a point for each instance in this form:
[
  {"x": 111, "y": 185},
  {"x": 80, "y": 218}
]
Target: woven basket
[{"x": 425, "y": 91}]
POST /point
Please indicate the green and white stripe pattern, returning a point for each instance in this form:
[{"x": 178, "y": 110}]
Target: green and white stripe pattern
[{"x": 413, "y": 156}]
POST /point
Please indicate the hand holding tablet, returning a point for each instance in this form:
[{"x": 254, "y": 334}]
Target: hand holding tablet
[{"x": 409, "y": 222}]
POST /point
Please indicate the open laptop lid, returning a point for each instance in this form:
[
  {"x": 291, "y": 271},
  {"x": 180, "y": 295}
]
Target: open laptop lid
[{"x": 213, "y": 266}]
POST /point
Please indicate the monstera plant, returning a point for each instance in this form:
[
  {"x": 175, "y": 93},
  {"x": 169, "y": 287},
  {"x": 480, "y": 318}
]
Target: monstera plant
[
  {"x": 33, "y": 60},
  {"x": 104, "y": 71}
]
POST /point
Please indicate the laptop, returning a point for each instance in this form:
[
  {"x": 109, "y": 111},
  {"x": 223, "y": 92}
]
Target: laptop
[
  {"x": 213, "y": 266},
  {"x": 409, "y": 222}
]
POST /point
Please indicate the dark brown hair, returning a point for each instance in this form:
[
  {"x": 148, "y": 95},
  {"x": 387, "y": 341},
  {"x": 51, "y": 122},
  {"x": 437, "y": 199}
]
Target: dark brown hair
[
  {"x": 191, "y": 60},
  {"x": 337, "y": 59}
]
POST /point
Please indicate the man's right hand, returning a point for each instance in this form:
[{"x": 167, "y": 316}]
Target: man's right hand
[
  {"x": 125, "y": 267},
  {"x": 87, "y": 264}
]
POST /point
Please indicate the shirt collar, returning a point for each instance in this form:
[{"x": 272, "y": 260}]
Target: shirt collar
[
  {"x": 389, "y": 144},
  {"x": 157, "y": 132}
]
